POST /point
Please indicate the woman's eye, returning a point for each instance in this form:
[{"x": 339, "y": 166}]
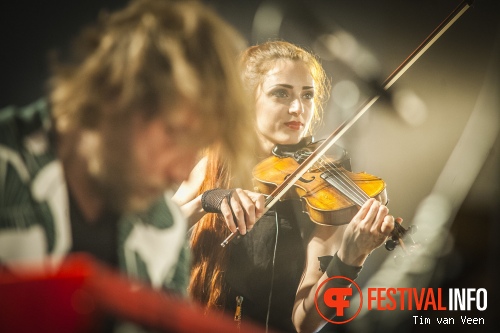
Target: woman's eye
[
  {"x": 280, "y": 93},
  {"x": 308, "y": 95}
]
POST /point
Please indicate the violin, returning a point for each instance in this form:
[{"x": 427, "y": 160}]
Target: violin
[
  {"x": 311, "y": 166},
  {"x": 331, "y": 195}
]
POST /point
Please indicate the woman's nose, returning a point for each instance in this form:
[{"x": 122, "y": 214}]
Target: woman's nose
[{"x": 296, "y": 106}]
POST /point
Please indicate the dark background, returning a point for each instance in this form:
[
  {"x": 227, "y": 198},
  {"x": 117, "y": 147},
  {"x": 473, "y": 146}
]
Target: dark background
[{"x": 452, "y": 78}]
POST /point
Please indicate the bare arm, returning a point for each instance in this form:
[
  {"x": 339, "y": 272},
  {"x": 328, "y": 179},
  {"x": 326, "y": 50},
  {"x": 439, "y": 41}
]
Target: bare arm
[
  {"x": 187, "y": 195},
  {"x": 247, "y": 206},
  {"x": 353, "y": 243},
  {"x": 324, "y": 241}
]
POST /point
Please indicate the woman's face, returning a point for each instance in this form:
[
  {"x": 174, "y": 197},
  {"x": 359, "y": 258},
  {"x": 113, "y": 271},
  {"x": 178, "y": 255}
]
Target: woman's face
[{"x": 284, "y": 104}]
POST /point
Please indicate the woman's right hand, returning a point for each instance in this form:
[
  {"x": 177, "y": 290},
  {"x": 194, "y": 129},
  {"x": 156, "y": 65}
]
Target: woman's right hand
[{"x": 247, "y": 206}]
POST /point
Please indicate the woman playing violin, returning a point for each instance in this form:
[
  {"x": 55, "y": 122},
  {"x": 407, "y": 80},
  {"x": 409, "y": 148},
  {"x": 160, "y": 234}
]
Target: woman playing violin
[{"x": 271, "y": 273}]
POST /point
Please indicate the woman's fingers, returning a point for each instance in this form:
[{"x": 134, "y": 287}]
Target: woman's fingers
[
  {"x": 387, "y": 225},
  {"x": 228, "y": 215},
  {"x": 373, "y": 224},
  {"x": 259, "y": 202},
  {"x": 247, "y": 208},
  {"x": 244, "y": 210},
  {"x": 365, "y": 209},
  {"x": 367, "y": 215}
]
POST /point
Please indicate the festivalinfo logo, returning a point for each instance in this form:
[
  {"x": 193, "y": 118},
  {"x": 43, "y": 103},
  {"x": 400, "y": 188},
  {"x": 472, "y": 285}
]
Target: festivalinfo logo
[{"x": 391, "y": 299}]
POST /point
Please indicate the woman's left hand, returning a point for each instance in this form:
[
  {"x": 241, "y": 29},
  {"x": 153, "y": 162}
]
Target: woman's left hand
[{"x": 368, "y": 229}]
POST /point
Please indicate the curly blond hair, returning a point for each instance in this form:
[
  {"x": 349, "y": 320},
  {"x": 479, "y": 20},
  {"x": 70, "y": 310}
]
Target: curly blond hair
[{"x": 149, "y": 57}]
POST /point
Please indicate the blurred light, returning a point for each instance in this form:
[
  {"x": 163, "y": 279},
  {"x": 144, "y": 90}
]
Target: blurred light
[
  {"x": 343, "y": 46},
  {"x": 267, "y": 22},
  {"x": 345, "y": 94},
  {"x": 431, "y": 217},
  {"x": 410, "y": 107}
]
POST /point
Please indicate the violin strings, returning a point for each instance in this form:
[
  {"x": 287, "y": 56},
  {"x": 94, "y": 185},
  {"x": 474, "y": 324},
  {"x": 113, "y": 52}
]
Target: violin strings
[
  {"x": 343, "y": 184},
  {"x": 346, "y": 184},
  {"x": 341, "y": 175},
  {"x": 338, "y": 179}
]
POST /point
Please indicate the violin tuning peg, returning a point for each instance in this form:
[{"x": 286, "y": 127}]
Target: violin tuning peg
[{"x": 391, "y": 244}]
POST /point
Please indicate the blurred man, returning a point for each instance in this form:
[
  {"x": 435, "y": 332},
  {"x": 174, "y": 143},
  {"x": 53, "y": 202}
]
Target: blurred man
[{"x": 86, "y": 169}]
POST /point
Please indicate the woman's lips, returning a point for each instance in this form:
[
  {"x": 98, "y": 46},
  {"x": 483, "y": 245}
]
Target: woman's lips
[{"x": 295, "y": 125}]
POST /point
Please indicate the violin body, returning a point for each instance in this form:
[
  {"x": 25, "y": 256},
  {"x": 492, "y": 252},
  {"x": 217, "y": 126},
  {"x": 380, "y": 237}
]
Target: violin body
[{"x": 318, "y": 188}]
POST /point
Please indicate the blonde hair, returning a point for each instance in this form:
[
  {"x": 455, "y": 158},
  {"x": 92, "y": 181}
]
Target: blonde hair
[
  {"x": 258, "y": 60},
  {"x": 150, "y": 56}
]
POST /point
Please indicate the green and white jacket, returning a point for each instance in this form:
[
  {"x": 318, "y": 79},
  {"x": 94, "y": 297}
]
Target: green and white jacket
[{"x": 34, "y": 209}]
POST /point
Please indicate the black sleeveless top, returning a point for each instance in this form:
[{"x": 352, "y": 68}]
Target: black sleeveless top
[
  {"x": 269, "y": 289},
  {"x": 251, "y": 272}
]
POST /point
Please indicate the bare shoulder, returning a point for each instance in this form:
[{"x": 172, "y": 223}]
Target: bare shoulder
[{"x": 188, "y": 190}]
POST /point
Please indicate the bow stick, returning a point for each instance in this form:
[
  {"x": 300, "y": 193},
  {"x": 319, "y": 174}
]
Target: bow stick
[{"x": 276, "y": 195}]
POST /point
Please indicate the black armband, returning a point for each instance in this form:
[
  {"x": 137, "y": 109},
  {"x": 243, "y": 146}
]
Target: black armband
[
  {"x": 333, "y": 266},
  {"x": 211, "y": 200}
]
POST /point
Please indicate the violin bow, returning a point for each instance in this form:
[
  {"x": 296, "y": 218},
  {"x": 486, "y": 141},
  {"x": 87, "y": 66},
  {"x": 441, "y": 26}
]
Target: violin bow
[{"x": 308, "y": 163}]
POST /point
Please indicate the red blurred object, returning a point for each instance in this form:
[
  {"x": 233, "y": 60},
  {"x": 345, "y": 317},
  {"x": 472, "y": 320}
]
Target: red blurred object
[
  {"x": 82, "y": 292},
  {"x": 47, "y": 302}
]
